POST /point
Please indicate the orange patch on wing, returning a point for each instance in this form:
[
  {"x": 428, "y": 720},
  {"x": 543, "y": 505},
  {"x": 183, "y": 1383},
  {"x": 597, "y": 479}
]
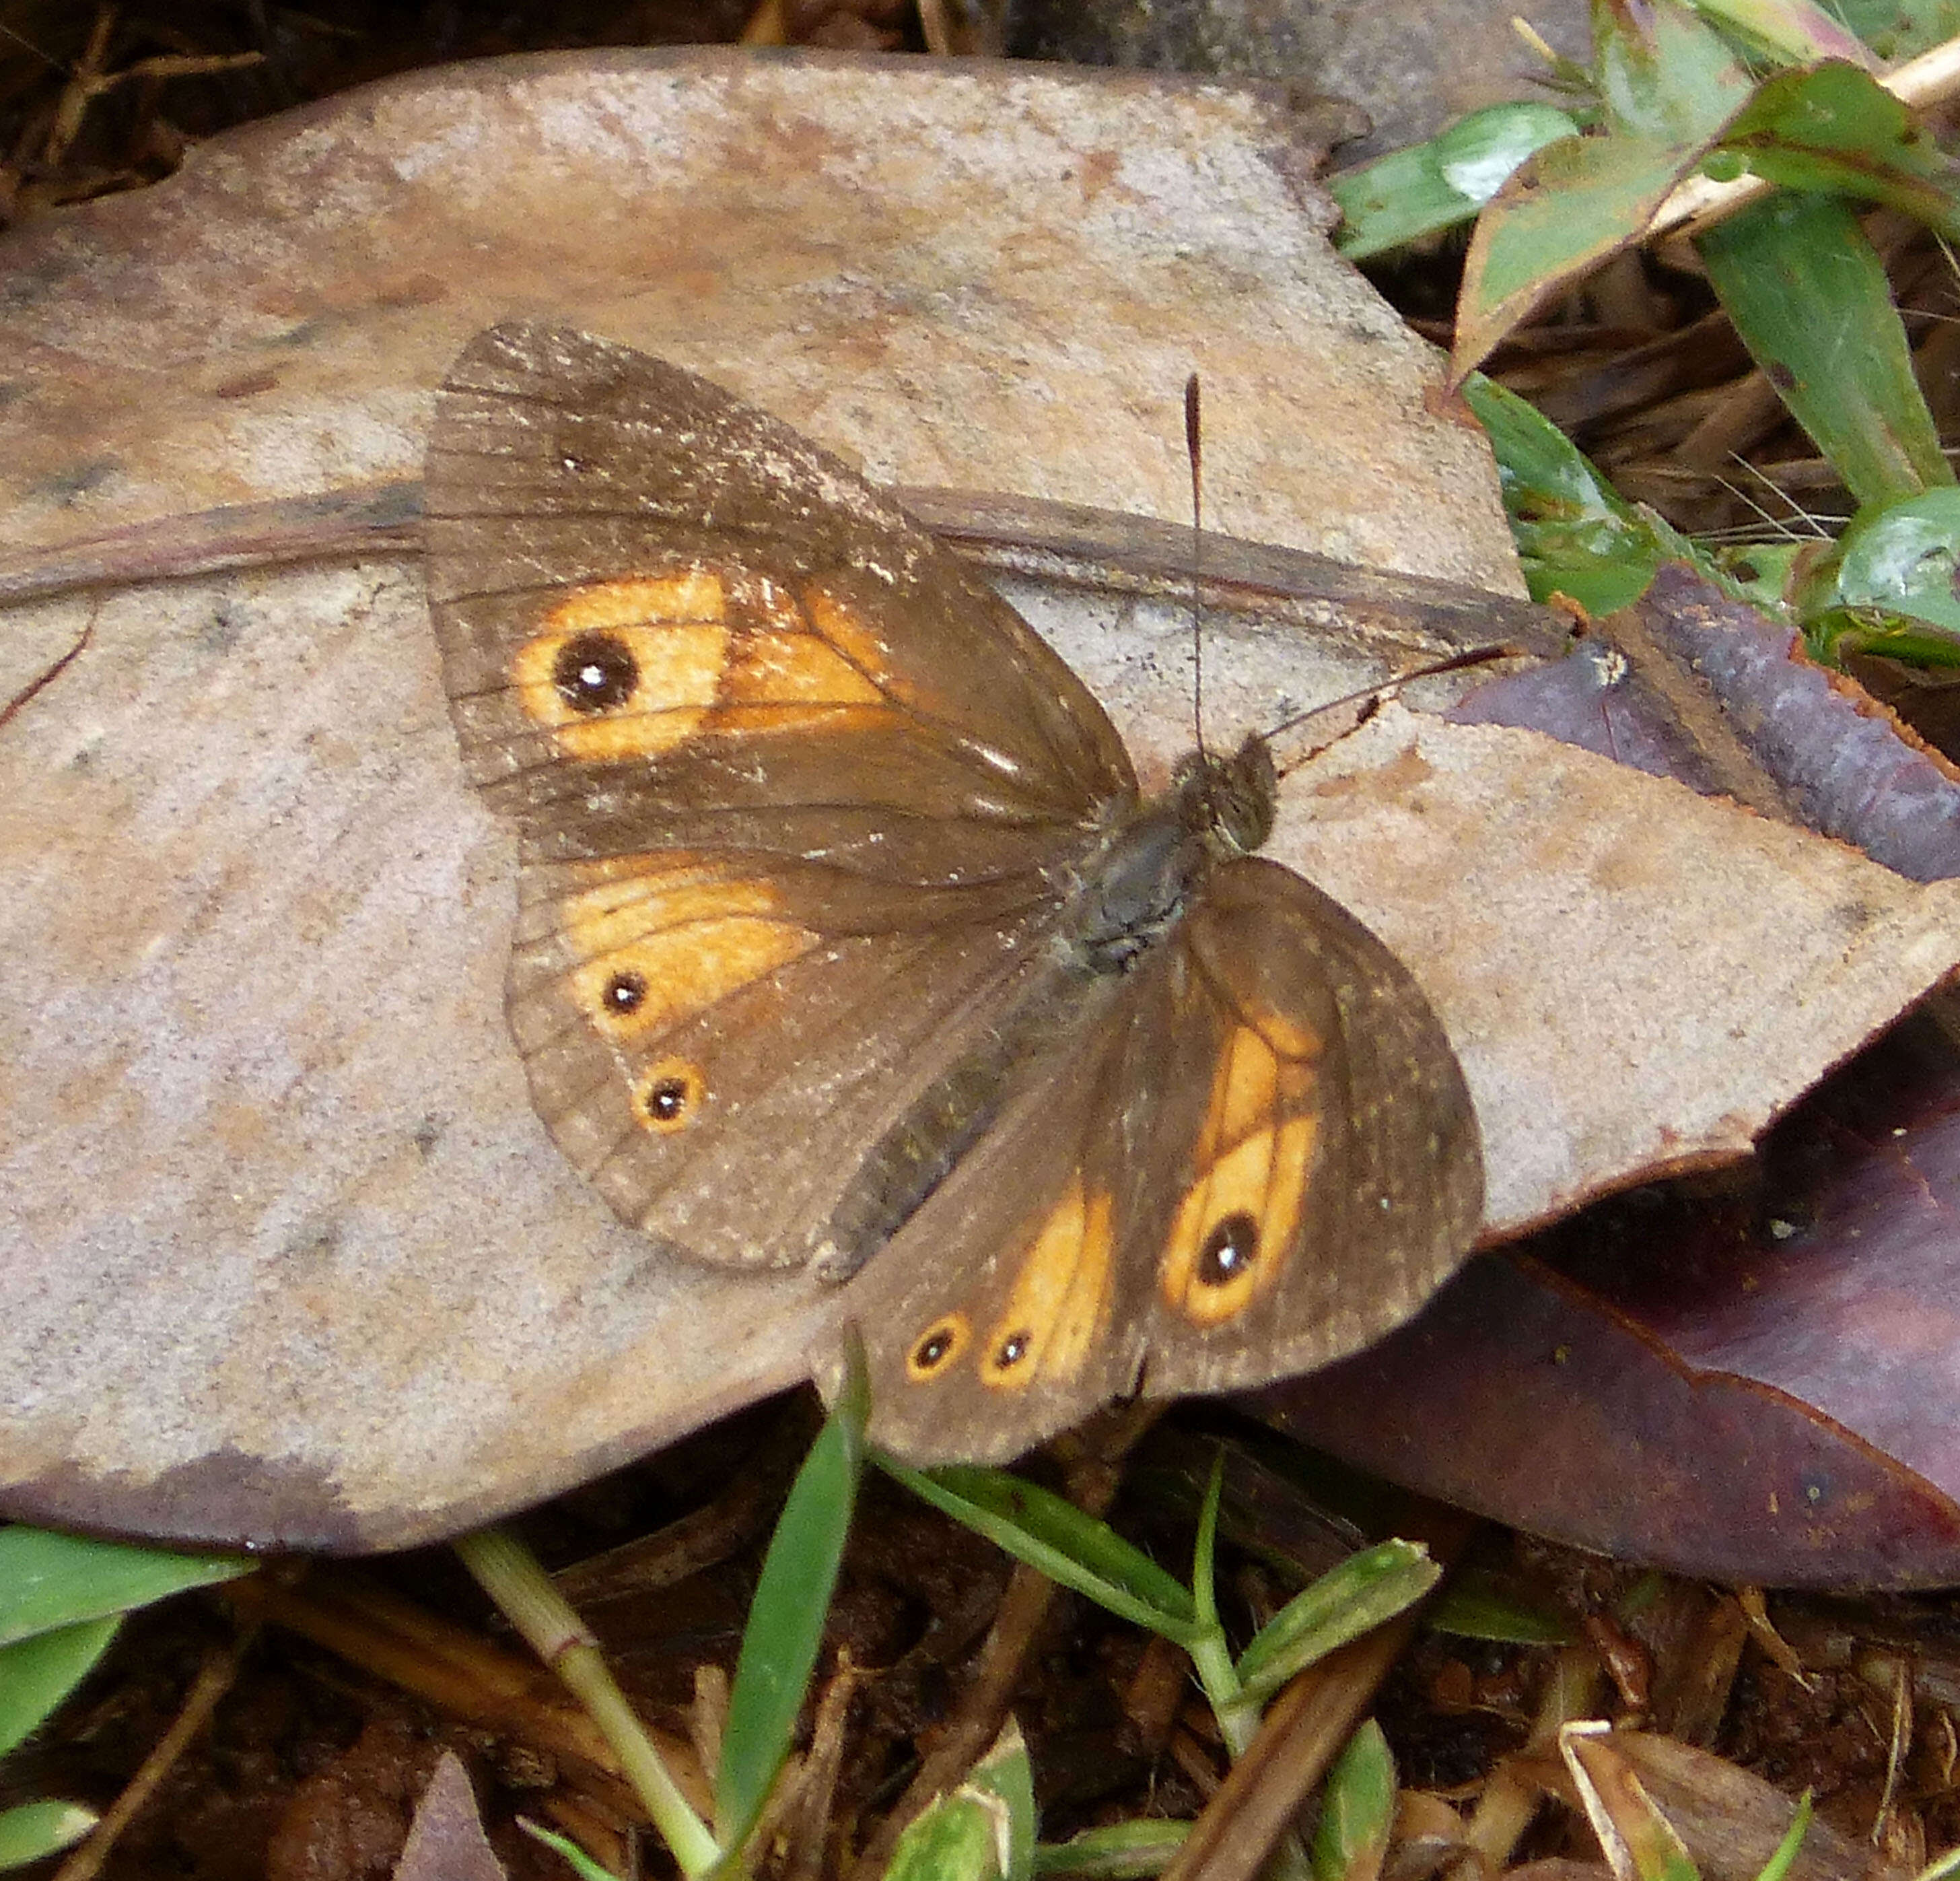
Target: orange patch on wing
[
  {"x": 658, "y": 946},
  {"x": 700, "y": 649},
  {"x": 691, "y": 594},
  {"x": 677, "y": 667},
  {"x": 778, "y": 669},
  {"x": 854, "y": 639},
  {"x": 1060, "y": 1297},
  {"x": 1254, "y": 1156}
]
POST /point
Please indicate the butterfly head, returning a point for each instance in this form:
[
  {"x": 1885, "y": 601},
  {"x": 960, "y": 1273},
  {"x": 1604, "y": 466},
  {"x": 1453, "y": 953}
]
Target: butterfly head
[{"x": 1230, "y": 801}]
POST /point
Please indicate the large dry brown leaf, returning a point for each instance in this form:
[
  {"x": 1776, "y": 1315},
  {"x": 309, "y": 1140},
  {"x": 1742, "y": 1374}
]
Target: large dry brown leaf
[{"x": 288, "y": 1256}]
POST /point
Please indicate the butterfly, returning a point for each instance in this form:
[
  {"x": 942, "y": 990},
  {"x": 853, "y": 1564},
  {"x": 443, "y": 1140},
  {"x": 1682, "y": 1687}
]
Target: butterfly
[{"x": 846, "y": 939}]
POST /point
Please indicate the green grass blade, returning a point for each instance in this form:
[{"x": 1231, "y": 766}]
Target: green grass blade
[
  {"x": 1809, "y": 297},
  {"x": 1357, "y": 1810},
  {"x": 48, "y": 1580},
  {"x": 575, "y": 1857},
  {"x": 785, "y": 1629},
  {"x": 1342, "y": 1604},
  {"x": 36, "y": 1673},
  {"x": 1054, "y": 1536},
  {"x": 1784, "y": 1857},
  {"x": 1122, "y": 1851},
  {"x": 33, "y": 1831}
]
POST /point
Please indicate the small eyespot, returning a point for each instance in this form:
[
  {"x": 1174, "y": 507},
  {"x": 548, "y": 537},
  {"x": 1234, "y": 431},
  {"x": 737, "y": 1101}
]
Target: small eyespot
[
  {"x": 1011, "y": 1352},
  {"x": 625, "y": 993},
  {"x": 937, "y": 1346},
  {"x": 1229, "y": 1249},
  {"x": 595, "y": 672},
  {"x": 670, "y": 1096}
]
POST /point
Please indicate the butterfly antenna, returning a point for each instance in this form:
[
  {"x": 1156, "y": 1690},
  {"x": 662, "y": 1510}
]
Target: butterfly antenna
[
  {"x": 1370, "y": 697},
  {"x": 1194, "y": 451}
]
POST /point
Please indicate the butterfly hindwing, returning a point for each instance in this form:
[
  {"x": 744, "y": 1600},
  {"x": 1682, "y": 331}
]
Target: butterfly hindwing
[{"x": 1255, "y": 1156}]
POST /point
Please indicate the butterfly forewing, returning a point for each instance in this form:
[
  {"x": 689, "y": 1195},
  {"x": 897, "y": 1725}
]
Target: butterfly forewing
[{"x": 636, "y": 576}]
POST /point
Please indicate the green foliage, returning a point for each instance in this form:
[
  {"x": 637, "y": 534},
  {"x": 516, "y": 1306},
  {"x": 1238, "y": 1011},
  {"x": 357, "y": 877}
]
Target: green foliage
[
  {"x": 1781, "y": 91},
  {"x": 62, "y": 1602}
]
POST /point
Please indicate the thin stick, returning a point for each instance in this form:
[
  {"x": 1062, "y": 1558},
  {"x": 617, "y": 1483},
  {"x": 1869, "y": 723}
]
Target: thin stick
[{"x": 214, "y": 1679}]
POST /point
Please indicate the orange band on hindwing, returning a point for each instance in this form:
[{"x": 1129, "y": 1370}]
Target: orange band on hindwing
[
  {"x": 1061, "y": 1297},
  {"x": 656, "y": 939},
  {"x": 1229, "y": 1237}
]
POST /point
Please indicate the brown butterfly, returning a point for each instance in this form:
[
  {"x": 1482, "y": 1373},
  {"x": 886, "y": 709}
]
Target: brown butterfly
[{"x": 846, "y": 939}]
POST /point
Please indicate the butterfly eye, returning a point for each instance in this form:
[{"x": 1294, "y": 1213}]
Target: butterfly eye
[
  {"x": 669, "y": 1095},
  {"x": 936, "y": 1346},
  {"x": 1229, "y": 1250},
  {"x": 594, "y": 671}
]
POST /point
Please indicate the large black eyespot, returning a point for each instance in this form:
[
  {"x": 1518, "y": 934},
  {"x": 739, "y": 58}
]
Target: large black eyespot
[
  {"x": 1229, "y": 1249},
  {"x": 595, "y": 671},
  {"x": 667, "y": 1099},
  {"x": 625, "y": 993}
]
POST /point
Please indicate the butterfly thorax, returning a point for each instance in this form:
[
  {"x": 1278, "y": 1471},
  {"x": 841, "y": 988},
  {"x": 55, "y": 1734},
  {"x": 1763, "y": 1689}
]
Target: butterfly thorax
[{"x": 1134, "y": 886}]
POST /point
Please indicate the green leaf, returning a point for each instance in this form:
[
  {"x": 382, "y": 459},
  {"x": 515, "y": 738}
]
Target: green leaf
[
  {"x": 785, "y": 1629},
  {"x": 985, "y": 1830},
  {"x": 31, "y": 1831},
  {"x": 1900, "y": 29},
  {"x": 1357, "y": 1810},
  {"x": 1054, "y": 1536},
  {"x": 1811, "y": 301},
  {"x": 36, "y": 1673},
  {"x": 1835, "y": 128},
  {"x": 1005, "y": 1774},
  {"x": 580, "y": 1862},
  {"x": 1122, "y": 1851},
  {"x": 1346, "y": 1602},
  {"x": 1576, "y": 535},
  {"x": 48, "y": 1580},
  {"x": 1780, "y": 1863},
  {"x": 1575, "y": 205},
  {"x": 1904, "y": 559},
  {"x": 1410, "y": 193},
  {"x": 1475, "y": 1605},
  {"x": 1789, "y": 31},
  {"x": 1664, "y": 74}
]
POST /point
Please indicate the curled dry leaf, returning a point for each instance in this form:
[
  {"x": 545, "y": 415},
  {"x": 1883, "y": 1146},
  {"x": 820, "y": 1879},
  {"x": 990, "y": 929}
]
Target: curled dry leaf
[{"x": 1763, "y": 1383}]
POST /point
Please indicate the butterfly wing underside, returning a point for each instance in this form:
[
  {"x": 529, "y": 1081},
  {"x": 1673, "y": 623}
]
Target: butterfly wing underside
[
  {"x": 792, "y": 788},
  {"x": 1256, "y": 1156}
]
